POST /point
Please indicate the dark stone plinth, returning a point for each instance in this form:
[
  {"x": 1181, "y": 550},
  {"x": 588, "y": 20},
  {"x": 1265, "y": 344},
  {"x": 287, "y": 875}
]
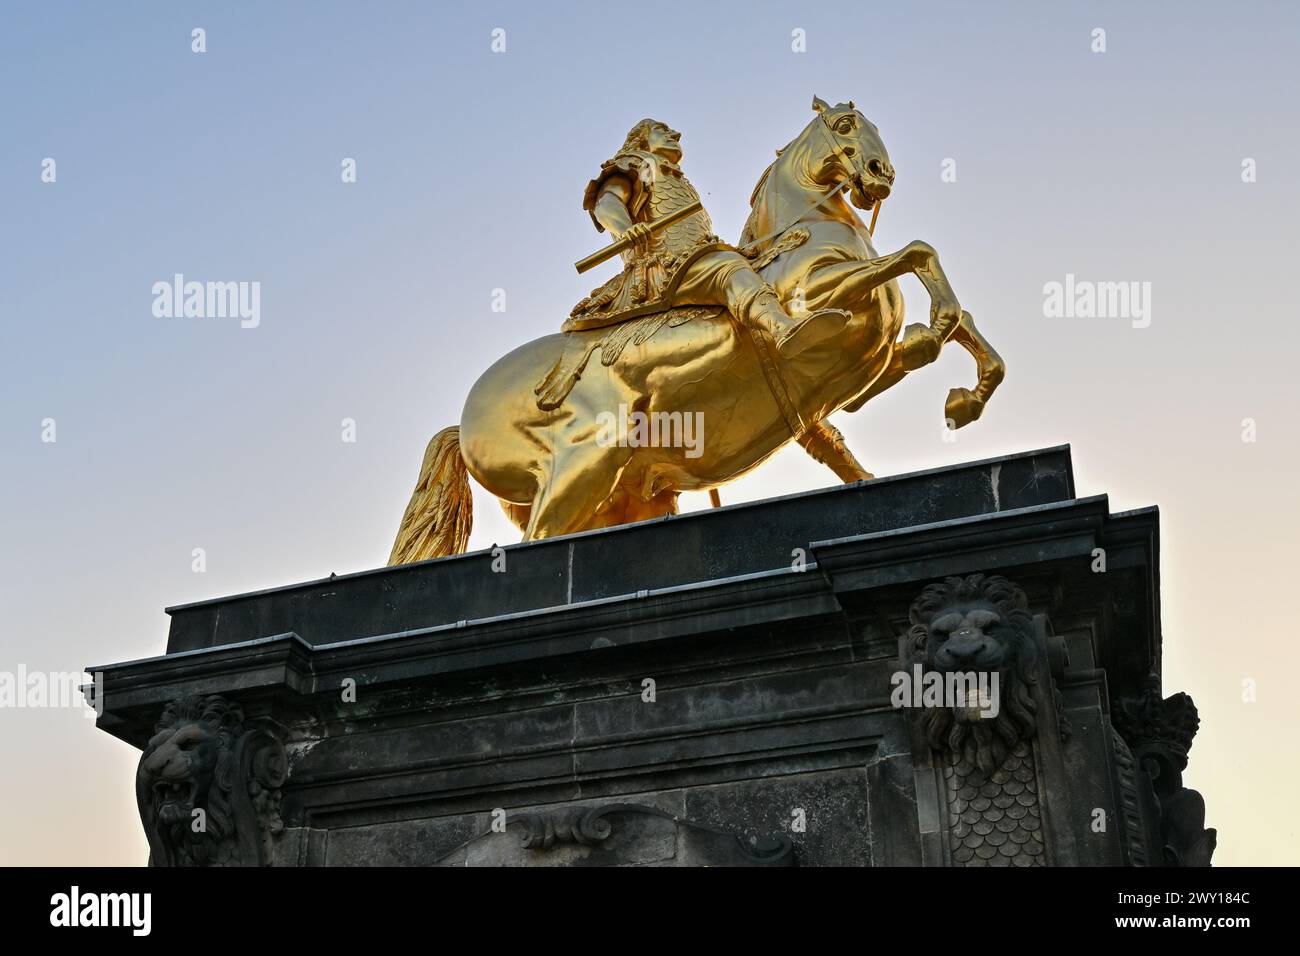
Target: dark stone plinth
[
  {"x": 709, "y": 689},
  {"x": 671, "y": 552}
]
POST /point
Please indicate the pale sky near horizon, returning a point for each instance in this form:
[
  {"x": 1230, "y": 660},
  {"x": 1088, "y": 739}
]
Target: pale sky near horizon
[{"x": 176, "y": 434}]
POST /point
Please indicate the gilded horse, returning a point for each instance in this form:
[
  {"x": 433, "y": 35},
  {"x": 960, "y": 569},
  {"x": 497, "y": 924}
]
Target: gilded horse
[{"x": 555, "y": 470}]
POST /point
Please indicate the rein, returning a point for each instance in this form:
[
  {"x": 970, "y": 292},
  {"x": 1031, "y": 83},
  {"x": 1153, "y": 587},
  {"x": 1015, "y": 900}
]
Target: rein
[{"x": 802, "y": 212}]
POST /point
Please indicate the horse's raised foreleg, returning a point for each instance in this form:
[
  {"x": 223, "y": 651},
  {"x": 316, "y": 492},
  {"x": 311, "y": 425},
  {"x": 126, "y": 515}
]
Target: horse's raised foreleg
[
  {"x": 824, "y": 442},
  {"x": 964, "y": 405},
  {"x": 853, "y": 281}
]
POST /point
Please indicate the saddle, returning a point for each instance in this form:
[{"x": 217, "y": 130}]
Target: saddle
[{"x": 637, "y": 329}]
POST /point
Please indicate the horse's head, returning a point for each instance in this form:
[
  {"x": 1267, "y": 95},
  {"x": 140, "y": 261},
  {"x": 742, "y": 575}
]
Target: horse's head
[{"x": 841, "y": 144}]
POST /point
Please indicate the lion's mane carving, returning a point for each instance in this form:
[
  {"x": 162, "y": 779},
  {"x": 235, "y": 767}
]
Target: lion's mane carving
[
  {"x": 977, "y": 623},
  {"x": 208, "y": 789}
]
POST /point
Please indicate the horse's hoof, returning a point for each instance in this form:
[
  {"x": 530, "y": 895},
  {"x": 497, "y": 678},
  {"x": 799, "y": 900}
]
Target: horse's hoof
[
  {"x": 962, "y": 407},
  {"x": 919, "y": 346}
]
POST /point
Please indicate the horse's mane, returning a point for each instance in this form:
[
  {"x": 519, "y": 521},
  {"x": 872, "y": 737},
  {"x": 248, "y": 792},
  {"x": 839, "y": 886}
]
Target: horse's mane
[
  {"x": 762, "y": 180},
  {"x": 747, "y": 234}
]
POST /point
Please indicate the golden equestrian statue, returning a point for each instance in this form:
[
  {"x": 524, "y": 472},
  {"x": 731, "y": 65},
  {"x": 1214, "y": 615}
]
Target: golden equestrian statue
[{"x": 711, "y": 356}]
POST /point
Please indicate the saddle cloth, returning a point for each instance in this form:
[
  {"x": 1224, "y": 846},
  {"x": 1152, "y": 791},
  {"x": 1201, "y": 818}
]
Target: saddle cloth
[{"x": 552, "y": 390}]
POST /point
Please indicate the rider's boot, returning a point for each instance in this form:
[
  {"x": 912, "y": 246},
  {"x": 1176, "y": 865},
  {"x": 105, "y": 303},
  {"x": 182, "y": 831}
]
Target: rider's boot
[{"x": 795, "y": 334}]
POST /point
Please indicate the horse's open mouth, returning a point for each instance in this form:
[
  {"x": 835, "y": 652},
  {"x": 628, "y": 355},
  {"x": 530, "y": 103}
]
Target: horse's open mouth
[{"x": 866, "y": 193}]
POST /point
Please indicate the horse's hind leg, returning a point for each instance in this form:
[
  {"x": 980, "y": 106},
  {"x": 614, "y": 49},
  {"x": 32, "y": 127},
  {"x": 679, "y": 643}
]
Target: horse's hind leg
[
  {"x": 630, "y": 507},
  {"x": 570, "y": 498},
  {"x": 518, "y": 514},
  {"x": 825, "y": 443}
]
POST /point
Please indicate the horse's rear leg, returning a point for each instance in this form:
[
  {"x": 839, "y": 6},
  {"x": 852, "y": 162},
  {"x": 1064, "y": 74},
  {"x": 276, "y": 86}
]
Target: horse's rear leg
[
  {"x": 570, "y": 498},
  {"x": 825, "y": 443},
  {"x": 519, "y": 515},
  {"x": 626, "y": 506}
]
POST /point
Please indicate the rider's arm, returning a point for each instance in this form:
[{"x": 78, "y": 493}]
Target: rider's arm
[{"x": 610, "y": 210}]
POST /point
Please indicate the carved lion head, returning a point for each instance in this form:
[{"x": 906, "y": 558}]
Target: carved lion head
[
  {"x": 201, "y": 779},
  {"x": 977, "y": 624}
]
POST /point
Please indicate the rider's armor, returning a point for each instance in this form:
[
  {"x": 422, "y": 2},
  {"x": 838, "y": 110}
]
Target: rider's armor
[{"x": 648, "y": 278}]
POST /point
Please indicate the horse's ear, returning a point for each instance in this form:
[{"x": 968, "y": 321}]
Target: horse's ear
[
  {"x": 819, "y": 104},
  {"x": 851, "y": 106}
]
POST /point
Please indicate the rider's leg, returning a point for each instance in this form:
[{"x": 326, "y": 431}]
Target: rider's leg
[{"x": 727, "y": 278}]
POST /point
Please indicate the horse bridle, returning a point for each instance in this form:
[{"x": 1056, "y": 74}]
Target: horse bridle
[
  {"x": 846, "y": 161},
  {"x": 860, "y": 173}
]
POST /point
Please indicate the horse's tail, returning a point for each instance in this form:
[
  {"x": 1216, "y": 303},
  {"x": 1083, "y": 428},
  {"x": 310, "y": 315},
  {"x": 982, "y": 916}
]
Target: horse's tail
[{"x": 438, "y": 519}]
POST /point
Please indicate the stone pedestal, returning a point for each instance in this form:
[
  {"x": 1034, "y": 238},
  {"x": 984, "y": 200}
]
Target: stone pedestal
[{"x": 708, "y": 689}]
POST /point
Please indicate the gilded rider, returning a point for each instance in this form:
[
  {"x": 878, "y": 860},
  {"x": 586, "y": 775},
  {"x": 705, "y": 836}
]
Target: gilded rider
[{"x": 684, "y": 263}]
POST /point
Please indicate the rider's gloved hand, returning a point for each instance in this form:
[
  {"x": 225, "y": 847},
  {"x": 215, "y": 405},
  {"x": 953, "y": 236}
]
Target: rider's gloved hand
[{"x": 639, "y": 235}]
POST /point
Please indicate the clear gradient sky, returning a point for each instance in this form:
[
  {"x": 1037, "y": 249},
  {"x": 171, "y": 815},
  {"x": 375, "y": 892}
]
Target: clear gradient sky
[{"x": 176, "y": 434}]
